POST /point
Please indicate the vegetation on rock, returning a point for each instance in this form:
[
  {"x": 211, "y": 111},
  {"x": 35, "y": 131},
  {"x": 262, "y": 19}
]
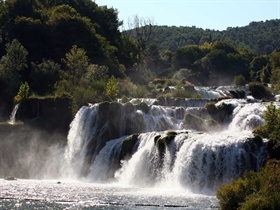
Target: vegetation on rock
[{"x": 258, "y": 190}]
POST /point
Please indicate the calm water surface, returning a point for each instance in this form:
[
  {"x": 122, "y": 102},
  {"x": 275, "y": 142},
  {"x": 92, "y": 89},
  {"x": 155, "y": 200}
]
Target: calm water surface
[{"x": 54, "y": 194}]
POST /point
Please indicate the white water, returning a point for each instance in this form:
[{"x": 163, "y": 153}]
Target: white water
[
  {"x": 13, "y": 115},
  {"x": 194, "y": 161},
  {"x": 216, "y": 92}
]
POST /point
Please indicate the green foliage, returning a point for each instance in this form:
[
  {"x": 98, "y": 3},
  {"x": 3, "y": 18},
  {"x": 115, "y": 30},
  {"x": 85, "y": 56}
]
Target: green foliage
[
  {"x": 185, "y": 56},
  {"x": 77, "y": 61},
  {"x": 43, "y": 76},
  {"x": 256, "y": 190},
  {"x": 23, "y": 93},
  {"x": 239, "y": 80},
  {"x": 12, "y": 67},
  {"x": 185, "y": 91},
  {"x": 275, "y": 80},
  {"x": 112, "y": 88},
  {"x": 256, "y": 66},
  {"x": 259, "y": 91},
  {"x": 141, "y": 92},
  {"x": 275, "y": 59},
  {"x": 183, "y": 74},
  {"x": 63, "y": 88},
  {"x": 271, "y": 128},
  {"x": 82, "y": 96},
  {"x": 258, "y": 37},
  {"x": 224, "y": 46}
]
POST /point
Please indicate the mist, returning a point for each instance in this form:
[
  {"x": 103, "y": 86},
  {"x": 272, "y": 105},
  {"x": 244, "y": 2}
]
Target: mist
[{"x": 28, "y": 153}]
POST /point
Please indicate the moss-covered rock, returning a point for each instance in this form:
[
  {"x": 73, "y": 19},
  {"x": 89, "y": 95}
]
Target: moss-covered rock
[
  {"x": 238, "y": 93},
  {"x": 127, "y": 146},
  {"x": 143, "y": 107},
  {"x": 219, "y": 113},
  {"x": 128, "y": 108},
  {"x": 161, "y": 143}
]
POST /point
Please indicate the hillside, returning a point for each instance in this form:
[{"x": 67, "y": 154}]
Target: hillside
[{"x": 259, "y": 37}]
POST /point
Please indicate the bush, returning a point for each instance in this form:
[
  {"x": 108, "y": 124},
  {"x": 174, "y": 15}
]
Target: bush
[
  {"x": 259, "y": 91},
  {"x": 239, "y": 80},
  {"x": 271, "y": 128},
  {"x": 256, "y": 190},
  {"x": 23, "y": 93}
]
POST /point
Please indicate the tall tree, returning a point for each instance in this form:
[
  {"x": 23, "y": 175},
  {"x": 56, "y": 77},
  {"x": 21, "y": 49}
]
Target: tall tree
[
  {"x": 143, "y": 29},
  {"x": 12, "y": 66}
]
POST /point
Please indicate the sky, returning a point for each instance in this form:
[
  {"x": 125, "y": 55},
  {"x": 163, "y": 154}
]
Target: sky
[{"x": 206, "y": 14}]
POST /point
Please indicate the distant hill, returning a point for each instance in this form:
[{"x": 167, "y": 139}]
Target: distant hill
[{"x": 259, "y": 37}]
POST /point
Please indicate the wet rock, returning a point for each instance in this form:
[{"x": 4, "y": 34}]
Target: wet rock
[{"x": 10, "y": 178}]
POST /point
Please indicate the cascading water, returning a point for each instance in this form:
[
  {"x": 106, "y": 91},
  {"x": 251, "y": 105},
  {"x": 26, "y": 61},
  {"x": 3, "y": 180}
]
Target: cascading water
[
  {"x": 193, "y": 160},
  {"x": 12, "y": 119},
  {"x": 196, "y": 161},
  {"x": 80, "y": 133}
]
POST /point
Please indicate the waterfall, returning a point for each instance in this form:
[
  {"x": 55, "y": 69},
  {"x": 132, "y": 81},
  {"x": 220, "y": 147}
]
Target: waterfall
[
  {"x": 191, "y": 159},
  {"x": 216, "y": 92},
  {"x": 94, "y": 125},
  {"x": 81, "y": 130},
  {"x": 196, "y": 161},
  {"x": 12, "y": 119}
]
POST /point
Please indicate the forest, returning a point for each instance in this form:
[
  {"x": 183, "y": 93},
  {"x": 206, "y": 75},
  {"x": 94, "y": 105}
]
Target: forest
[
  {"x": 75, "y": 49},
  {"x": 257, "y": 37}
]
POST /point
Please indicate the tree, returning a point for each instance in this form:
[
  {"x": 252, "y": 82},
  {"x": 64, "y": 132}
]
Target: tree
[
  {"x": 143, "y": 29},
  {"x": 12, "y": 65},
  {"x": 275, "y": 79},
  {"x": 185, "y": 57},
  {"x": 23, "y": 92},
  {"x": 259, "y": 91},
  {"x": 257, "y": 64},
  {"x": 275, "y": 59},
  {"x": 77, "y": 61},
  {"x": 43, "y": 76},
  {"x": 15, "y": 59},
  {"x": 271, "y": 128},
  {"x": 239, "y": 80},
  {"x": 224, "y": 46},
  {"x": 112, "y": 88}
]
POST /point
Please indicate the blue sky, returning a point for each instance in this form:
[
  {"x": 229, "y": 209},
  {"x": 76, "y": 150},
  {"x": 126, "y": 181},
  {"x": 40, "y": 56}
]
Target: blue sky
[{"x": 207, "y": 14}]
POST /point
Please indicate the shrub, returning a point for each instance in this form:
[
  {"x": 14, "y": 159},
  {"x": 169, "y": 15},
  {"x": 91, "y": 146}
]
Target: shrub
[
  {"x": 23, "y": 93},
  {"x": 126, "y": 88},
  {"x": 239, "y": 80},
  {"x": 271, "y": 128},
  {"x": 112, "y": 88},
  {"x": 256, "y": 190},
  {"x": 259, "y": 91}
]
